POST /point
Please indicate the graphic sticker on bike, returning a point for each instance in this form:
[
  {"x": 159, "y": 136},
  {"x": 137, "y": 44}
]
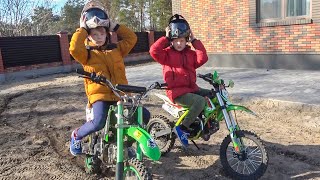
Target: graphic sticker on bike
[
  {"x": 137, "y": 134},
  {"x": 151, "y": 143}
]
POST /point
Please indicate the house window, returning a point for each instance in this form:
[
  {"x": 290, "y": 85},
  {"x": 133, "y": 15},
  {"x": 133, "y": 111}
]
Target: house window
[
  {"x": 283, "y": 10},
  {"x": 298, "y": 8},
  {"x": 270, "y": 9}
]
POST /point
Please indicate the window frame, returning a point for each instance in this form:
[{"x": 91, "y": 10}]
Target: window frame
[{"x": 284, "y": 19}]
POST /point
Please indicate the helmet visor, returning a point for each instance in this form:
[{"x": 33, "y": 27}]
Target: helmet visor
[
  {"x": 95, "y": 12},
  {"x": 179, "y": 29}
]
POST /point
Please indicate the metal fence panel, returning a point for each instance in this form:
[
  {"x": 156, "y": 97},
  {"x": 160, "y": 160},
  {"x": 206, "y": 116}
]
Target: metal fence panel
[{"x": 29, "y": 50}]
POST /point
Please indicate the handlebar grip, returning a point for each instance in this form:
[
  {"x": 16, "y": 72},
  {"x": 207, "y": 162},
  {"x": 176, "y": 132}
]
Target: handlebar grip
[
  {"x": 83, "y": 72},
  {"x": 132, "y": 89},
  {"x": 163, "y": 84},
  {"x": 209, "y": 75},
  {"x": 204, "y": 75}
]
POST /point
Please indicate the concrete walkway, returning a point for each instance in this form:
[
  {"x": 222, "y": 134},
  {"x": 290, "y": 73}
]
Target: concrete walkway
[{"x": 298, "y": 86}]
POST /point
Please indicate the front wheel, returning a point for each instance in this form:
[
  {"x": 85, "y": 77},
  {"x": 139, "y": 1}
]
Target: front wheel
[
  {"x": 157, "y": 124},
  {"x": 251, "y": 163},
  {"x": 136, "y": 170}
]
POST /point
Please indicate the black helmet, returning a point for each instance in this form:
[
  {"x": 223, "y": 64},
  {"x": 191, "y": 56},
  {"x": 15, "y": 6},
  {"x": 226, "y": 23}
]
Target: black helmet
[
  {"x": 95, "y": 15},
  {"x": 179, "y": 27}
]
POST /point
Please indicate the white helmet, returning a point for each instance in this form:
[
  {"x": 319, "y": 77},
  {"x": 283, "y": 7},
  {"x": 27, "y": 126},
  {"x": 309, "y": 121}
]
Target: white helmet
[{"x": 95, "y": 15}]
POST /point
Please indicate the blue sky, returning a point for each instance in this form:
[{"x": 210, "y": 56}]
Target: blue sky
[{"x": 58, "y": 5}]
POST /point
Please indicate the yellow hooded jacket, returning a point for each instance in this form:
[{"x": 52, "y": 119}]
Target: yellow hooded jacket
[{"x": 109, "y": 63}]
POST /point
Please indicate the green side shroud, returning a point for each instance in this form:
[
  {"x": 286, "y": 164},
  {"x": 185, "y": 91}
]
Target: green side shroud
[
  {"x": 147, "y": 143},
  {"x": 235, "y": 107}
]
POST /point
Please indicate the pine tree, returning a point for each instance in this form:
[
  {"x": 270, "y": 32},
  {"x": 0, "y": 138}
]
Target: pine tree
[{"x": 70, "y": 15}]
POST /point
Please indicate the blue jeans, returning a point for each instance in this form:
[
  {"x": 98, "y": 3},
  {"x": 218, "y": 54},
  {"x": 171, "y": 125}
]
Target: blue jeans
[{"x": 100, "y": 111}]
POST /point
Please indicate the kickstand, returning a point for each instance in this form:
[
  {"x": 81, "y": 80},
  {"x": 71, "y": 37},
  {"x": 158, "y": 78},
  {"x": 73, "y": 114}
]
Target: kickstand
[{"x": 195, "y": 144}]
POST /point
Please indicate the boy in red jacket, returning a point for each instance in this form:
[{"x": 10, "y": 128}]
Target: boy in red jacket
[{"x": 179, "y": 64}]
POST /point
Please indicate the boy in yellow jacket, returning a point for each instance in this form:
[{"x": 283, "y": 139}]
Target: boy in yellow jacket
[{"x": 90, "y": 46}]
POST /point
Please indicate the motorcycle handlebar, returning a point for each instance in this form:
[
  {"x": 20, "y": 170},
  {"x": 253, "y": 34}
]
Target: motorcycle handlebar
[
  {"x": 132, "y": 89},
  {"x": 158, "y": 85},
  {"x": 119, "y": 87},
  {"x": 163, "y": 85},
  {"x": 82, "y": 72},
  {"x": 206, "y": 77}
]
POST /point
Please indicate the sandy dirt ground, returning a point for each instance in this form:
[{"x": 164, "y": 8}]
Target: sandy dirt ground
[{"x": 38, "y": 115}]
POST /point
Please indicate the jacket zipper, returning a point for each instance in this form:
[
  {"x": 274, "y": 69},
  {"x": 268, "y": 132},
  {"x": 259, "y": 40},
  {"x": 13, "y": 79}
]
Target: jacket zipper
[
  {"x": 183, "y": 60},
  {"x": 172, "y": 73}
]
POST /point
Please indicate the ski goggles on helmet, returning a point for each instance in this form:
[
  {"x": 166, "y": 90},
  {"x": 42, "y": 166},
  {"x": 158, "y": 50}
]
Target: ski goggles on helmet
[
  {"x": 97, "y": 22},
  {"x": 95, "y": 12},
  {"x": 96, "y": 17},
  {"x": 179, "y": 29}
]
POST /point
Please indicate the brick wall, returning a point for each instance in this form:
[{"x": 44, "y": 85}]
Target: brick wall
[{"x": 229, "y": 27}]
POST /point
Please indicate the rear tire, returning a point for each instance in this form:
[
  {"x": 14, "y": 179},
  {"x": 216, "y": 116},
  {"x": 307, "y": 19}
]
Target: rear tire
[
  {"x": 135, "y": 169},
  {"x": 250, "y": 166},
  {"x": 156, "y": 124}
]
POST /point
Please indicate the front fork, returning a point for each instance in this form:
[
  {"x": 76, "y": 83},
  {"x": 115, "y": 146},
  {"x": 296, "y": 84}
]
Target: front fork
[
  {"x": 120, "y": 137},
  {"x": 232, "y": 125},
  {"x": 120, "y": 163},
  {"x": 140, "y": 121}
]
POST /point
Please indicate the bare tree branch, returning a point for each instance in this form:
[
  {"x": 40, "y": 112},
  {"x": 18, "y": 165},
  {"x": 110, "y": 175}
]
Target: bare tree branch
[{"x": 15, "y": 15}]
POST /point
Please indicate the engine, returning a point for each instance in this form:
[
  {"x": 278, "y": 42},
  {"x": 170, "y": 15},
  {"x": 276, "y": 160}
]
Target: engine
[{"x": 109, "y": 155}]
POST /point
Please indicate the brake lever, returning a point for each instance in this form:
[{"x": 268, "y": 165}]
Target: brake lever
[{"x": 83, "y": 76}]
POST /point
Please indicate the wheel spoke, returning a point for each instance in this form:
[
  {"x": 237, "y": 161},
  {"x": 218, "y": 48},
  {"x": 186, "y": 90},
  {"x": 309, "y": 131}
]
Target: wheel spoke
[
  {"x": 254, "y": 164},
  {"x": 255, "y": 157},
  {"x": 244, "y": 168},
  {"x": 161, "y": 141},
  {"x": 230, "y": 149},
  {"x": 251, "y": 162},
  {"x": 256, "y": 150},
  {"x": 233, "y": 159},
  {"x": 248, "y": 168},
  {"x": 238, "y": 162},
  {"x": 249, "y": 165}
]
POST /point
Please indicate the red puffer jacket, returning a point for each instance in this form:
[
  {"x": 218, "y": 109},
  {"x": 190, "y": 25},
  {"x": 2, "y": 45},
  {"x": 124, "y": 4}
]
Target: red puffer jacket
[{"x": 179, "y": 67}]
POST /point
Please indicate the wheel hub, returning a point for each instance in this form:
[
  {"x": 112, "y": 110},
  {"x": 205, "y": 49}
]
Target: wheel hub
[{"x": 241, "y": 156}]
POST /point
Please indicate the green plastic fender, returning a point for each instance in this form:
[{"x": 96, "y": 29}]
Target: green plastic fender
[
  {"x": 147, "y": 143},
  {"x": 235, "y": 107}
]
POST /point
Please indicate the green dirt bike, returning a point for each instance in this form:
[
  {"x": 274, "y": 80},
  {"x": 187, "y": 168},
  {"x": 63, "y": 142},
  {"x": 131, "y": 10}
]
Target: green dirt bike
[
  {"x": 242, "y": 153},
  {"x": 110, "y": 147}
]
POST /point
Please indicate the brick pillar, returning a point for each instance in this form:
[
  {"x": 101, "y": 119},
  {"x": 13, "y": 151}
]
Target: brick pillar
[
  {"x": 114, "y": 37},
  {"x": 64, "y": 47},
  {"x": 1, "y": 64},
  {"x": 151, "y": 37}
]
